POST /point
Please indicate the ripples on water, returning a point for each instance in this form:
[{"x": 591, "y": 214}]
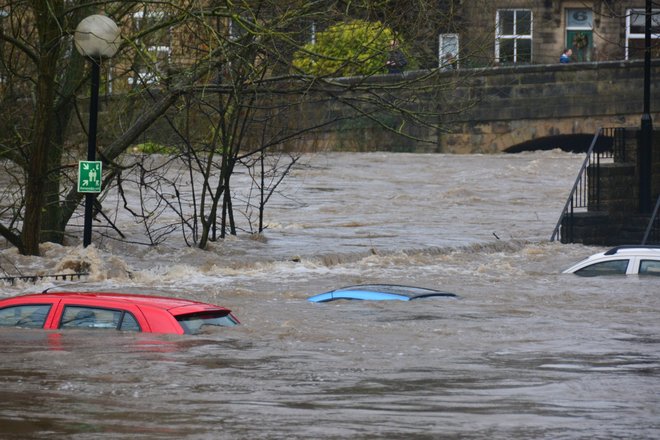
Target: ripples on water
[{"x": 525, "y": 352}]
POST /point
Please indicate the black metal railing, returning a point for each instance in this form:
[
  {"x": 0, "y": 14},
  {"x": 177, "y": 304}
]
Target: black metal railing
[
  {"x": 653, "y": 228},
  {"x": 608, "y": 143},
  {"x": 618, "y": 139},
  {"x": 34, "y": 278}
]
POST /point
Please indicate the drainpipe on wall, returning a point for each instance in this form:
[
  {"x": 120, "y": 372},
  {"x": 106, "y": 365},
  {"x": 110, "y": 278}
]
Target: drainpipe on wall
[{"x": 646, "y": 133}]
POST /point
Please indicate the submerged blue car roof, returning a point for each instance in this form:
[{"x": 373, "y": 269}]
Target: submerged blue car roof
[{"x": 379, "y": 292}]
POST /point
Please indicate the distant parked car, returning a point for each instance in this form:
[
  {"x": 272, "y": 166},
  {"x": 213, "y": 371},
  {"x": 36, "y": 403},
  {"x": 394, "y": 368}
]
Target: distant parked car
[
  {"x": 621, "y": 260},
  {"x": 112, "y": 311},
  {"x": 380, "y": 292}
]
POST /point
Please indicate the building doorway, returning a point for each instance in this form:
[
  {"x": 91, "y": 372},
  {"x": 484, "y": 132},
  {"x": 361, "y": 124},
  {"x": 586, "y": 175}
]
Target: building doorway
[{"x": 580, "y": 34}]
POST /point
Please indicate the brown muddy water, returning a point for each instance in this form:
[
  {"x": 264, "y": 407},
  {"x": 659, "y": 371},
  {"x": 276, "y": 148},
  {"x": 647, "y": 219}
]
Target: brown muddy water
[{"x": 525, "y": 352}]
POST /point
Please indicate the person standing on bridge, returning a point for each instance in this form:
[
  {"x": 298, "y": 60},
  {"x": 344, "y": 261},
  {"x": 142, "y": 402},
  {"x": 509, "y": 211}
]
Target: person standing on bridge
[
  {"x": 565, "y": 57},
  {"x": 396, "y": 60}
]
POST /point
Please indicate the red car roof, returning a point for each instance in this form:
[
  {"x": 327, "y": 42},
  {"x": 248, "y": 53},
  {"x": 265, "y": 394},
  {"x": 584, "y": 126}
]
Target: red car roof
[
  {"x": 154, "y": 313},
  {"x": 161, "y": 302}
]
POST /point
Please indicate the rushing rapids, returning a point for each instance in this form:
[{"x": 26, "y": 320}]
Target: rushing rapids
[{"x": 525, "y": 352}]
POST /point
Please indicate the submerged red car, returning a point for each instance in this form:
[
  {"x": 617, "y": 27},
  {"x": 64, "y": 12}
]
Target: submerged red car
[{"x": 112, "y": 311}]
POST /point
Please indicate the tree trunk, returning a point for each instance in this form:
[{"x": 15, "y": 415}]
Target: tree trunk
[
  {"x": 53, "y": 222},
  {"x": 49, "y": 37},
  {"x": 52, "y": 228}
]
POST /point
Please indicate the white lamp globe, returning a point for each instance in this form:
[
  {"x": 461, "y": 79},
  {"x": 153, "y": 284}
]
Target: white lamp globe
[{"x": 97, "y": 36}]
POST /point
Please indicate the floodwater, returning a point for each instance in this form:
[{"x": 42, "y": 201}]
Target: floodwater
[{"x": 525, "y": 352}]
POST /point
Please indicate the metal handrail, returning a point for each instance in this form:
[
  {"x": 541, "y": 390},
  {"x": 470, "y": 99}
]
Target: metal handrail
[
  {"x": 653, "y": 219},
  {"x": 34, "y": 278},
  {"x": 577, "y": 189}
]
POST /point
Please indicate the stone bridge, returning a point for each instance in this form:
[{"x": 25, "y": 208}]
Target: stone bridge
[
  {"x": 509, "y": 109},
  {"x": 519, "y": 108}
]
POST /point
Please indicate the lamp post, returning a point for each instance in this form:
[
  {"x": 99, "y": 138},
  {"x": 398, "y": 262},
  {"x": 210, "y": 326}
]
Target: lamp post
[
  {"x": 646, "y": 131},
  {"x": 96, "y": 37}
]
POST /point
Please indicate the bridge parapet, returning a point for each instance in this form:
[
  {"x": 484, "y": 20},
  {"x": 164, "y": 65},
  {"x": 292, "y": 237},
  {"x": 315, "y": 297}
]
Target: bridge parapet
[
  {"x": 507, "y": 107},
  {"x": 520, "y": 104}
]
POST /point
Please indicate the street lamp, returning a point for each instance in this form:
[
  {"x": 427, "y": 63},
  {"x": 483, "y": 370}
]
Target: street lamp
[{"x": 96, "y": 37}]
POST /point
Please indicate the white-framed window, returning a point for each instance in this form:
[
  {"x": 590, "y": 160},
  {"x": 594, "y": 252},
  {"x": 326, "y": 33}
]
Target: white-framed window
[
  {"x": 235, "y": 31},
  {"x": 448, "y": 51},
  {"x": 636, "y": 30},
  {"x": 579, "y": 33},
  {"x": 239, "y": 26},
  {"x": 513, "y": 36},
  {"x": 3, "y": 14},
  {"x": 307, "y": 32},
  {"x": 156, "y": 49},
  {"x": 153, "y": 62},
  {"x": 312, "y": 32}
]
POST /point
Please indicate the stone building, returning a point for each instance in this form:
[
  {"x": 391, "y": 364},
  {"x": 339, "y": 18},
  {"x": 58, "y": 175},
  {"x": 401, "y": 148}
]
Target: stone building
[{"x": 505, "y": 32}]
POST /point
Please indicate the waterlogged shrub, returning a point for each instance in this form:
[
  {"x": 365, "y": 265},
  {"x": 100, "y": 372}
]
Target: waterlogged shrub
[{"x": 346, "y": 49}]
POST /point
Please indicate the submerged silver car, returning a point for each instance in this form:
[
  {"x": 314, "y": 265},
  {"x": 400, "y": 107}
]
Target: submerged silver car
[{"x": 620, "y": 260}]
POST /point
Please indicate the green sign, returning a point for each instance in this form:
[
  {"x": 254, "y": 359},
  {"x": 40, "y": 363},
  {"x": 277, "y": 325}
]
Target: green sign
[{"x": 89, "y": 176}]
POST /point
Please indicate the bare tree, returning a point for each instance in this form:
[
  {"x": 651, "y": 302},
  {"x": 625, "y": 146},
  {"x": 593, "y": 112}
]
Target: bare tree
[
  {"x": 228, "y": 62},
  {"x": 42, "y": 78}
]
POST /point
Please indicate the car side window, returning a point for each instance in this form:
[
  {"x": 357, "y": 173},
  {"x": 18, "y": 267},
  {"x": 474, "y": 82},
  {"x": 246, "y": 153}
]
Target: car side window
[
  {"x": 98, "y": 318},
  {"x": 129, "y": 323},
  {"x": 27, "y": 315},
  {"x": 613, "y": 267},
  {"x": 649, "y": 267}
]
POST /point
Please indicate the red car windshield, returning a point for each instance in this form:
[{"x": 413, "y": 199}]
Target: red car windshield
[{"x": 193, "y": 323}]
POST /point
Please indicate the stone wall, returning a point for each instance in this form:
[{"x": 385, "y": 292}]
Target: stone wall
[
  {"x": 520, "y": 104},
  {"x": 505, "y": 107},
  {"x": 508, "y": 106}
]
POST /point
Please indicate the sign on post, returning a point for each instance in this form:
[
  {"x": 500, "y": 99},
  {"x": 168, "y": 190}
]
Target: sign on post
[{"x": 89, "y": 176}]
